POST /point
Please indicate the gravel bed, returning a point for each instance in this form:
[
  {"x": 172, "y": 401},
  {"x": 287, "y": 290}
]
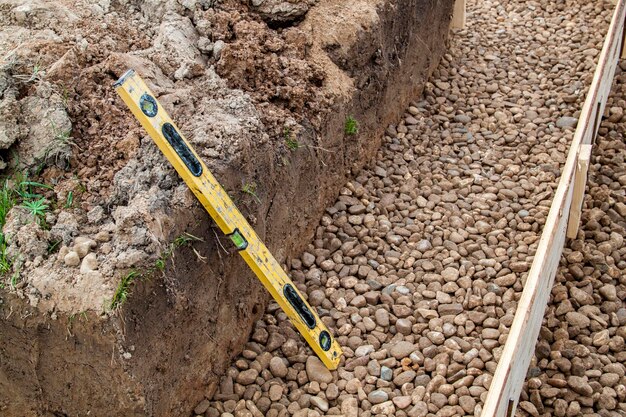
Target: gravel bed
[{"x": 419, "y": 264}]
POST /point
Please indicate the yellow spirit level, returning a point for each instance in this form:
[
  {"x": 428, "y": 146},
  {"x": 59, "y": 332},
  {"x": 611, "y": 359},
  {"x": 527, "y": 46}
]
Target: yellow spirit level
[{"x": 177, "y": 150}]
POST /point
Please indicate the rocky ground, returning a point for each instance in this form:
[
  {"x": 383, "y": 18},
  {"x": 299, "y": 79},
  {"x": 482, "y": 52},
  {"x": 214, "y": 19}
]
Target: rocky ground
[{"x": 419, "y": 264}]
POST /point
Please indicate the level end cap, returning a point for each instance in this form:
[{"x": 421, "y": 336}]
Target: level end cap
[{"x": 123, "y": 78}]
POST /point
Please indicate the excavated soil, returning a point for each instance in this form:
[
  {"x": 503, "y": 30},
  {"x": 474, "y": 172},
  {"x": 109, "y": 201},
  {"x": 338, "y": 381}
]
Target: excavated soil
[{"x": 262, "y": 91}]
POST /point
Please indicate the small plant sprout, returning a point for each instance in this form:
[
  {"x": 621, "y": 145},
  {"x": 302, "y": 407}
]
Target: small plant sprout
[
  {"x": 5, "y": 262},
  {"x": 123, "y": 289},
  {"x": 15, "y": 279},
  {"x": 69, "y": 200},
  {"x": 35, "y": 75},
  {"x": 53, "y": 246},
  {"x": 25, "y": 189},
  {"x": 351, "y": 127},
  {"x": 65, "y": 137},
  {"x": 290, "y": 141},
  {"x": 184, "y": 239},
  {"x": 160, "y": 264},
  {"x": 250, "y": 188},
  {"x": 65, "y": 96},
  {"x": 14, "y": 191},
  {"x": 7, "y": 201},
  {"x": 37, "y": 208}
]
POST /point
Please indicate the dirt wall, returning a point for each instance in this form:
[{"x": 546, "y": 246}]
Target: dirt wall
[{"x": 164, "y": 349}]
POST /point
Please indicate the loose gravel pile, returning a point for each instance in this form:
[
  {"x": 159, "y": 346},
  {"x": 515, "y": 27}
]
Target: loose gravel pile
[{"x": 419, "y": 264}]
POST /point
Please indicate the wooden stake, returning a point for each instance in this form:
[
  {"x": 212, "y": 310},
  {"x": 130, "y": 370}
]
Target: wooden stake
[
  {"x": 623, "y": 54},
  {"x": 580, "y": 180},
  {"x": 458, "y": 17}
]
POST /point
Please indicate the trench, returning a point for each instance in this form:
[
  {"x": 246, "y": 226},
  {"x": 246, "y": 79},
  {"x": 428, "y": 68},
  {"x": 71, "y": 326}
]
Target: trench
[{"x": 418, "y": 265}]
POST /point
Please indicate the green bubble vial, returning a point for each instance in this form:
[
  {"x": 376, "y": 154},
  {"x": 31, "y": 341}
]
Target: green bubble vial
[{"x": 240, "y": 242}]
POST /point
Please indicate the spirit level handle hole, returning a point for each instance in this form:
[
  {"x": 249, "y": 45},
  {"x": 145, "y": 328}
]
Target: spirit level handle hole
[
  {"x": 298, "y": 304},
  {"x": 181, "y": 148}
]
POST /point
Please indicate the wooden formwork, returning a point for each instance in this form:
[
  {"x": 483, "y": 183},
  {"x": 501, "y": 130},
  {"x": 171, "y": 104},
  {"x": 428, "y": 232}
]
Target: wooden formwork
[
  {"x": 562, "y": 220},
  {"x": 458, "y": 16}
]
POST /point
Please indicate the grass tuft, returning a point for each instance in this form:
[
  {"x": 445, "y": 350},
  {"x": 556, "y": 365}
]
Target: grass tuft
[
  {"x": 250, "y": 189},
  {"x": 123, "y": 289},
  {"x": 36, "y": 74},
  {"x": 7, "y": 201},
  {"x": 351, "y": 127},
  {"x": 37, "y": 209},
  {"x": 290, "y": 141},
  {"x": 65, "y": 137},
  {"x": 19, "y": 190},
  {"x": 183, "y": 240},
  {"x": 69, "y": 200}
]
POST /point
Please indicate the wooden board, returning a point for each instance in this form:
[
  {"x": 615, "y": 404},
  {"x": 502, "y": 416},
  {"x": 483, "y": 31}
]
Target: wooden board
[
  {"x": 623, "y": 54},
  {"x": 458, "y": 17},
  {"x": 580, "y": 180},
  {"x": 510, "y": 374}
]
